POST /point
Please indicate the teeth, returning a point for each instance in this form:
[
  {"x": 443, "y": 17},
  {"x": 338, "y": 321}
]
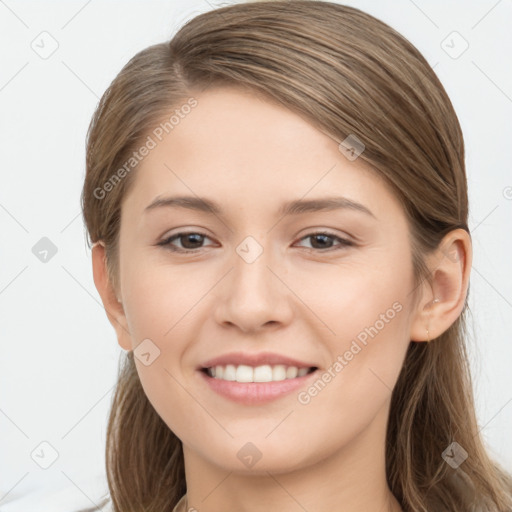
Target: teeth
[
  {"x": 292, "y": 371},
  {"x": 279, "y": 372},
  {"x": 229, "y": 372},
  {"x": 265, "y": 373},
  {"x": 244, "y": 373}
]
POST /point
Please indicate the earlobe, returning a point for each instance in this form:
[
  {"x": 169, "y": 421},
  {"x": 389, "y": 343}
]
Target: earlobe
[
  {"x": 113, "y": 306},
  {"x": 444, "y": 295}
]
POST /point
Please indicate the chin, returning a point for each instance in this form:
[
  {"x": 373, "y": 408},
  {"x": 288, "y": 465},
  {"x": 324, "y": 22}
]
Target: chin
[{"x": 262, "y": 457}]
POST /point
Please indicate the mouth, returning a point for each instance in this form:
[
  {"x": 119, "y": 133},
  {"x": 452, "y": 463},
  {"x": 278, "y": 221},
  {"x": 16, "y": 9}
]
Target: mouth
[
  {"x": 264, "y": 373},
  {"x": 256, "y": 385},
  {"x": 256, "y": 378}
]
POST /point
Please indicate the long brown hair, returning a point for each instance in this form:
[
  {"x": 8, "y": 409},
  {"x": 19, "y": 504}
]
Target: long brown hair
[{"x": 347, "y": 73}]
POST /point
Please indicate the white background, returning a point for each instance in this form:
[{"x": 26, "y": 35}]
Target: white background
[{"x": 59, "y": 354}]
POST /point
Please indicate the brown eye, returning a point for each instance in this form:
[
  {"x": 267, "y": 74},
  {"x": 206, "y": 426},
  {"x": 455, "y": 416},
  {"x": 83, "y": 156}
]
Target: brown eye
[
  {"x": 323, "y": 241},
  {"x": 191, "y": 241}
]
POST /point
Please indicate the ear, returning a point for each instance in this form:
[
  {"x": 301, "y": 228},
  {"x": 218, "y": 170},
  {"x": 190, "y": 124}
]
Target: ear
[
  {"x": 113, "y": 306},
  {"x": 444, "y": 297}
]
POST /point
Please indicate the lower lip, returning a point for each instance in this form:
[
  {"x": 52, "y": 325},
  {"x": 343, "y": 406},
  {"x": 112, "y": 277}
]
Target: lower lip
[{"x": 254, "y": 393}]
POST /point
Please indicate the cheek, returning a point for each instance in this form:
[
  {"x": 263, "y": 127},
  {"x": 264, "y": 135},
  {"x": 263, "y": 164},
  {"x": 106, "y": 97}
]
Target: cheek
[
  {"x": 366, "y": 357},
  {"x": 160, "y": 308},
  {"x": 157, "y": 300},
  {"x": 356, "y": 299},
  {"x": 160, "y": 332},
  {"x": 368, "y": 314},
  {"x": 166, "y": 390}
]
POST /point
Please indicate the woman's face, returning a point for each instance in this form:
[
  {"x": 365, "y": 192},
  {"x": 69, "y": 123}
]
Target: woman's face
[{"x": 262, "y": 285}]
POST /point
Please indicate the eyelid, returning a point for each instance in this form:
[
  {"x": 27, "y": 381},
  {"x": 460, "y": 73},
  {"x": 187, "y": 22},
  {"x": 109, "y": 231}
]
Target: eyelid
[
  {"x": 344, "y": 242},
  {"x": 165, "y": 241},
  {"x": 326, "y": 231}
]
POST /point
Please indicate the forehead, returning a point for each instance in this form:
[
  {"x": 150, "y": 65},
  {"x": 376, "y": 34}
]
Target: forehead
[{"x": 240, "y": 148}]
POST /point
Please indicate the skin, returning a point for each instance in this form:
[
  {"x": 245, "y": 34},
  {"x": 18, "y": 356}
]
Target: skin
[{"x": 297, "y": 298}]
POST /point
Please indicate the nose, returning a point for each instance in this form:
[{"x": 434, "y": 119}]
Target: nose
[{"x": 254, "y": 295}]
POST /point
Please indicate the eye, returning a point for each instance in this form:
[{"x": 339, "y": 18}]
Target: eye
[
  {"x": 321, "y": 239},
  {"x": 191, "y": 241}
]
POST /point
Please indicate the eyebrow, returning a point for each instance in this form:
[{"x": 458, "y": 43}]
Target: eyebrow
[{"x": 295, "y": 207}]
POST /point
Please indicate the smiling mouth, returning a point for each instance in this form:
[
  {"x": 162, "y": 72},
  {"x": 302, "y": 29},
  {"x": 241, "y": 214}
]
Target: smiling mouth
[{"x": 263, "y": 373}]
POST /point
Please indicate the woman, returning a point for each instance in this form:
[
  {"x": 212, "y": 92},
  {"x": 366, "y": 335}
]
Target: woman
[{"x": 263, "y": 373}]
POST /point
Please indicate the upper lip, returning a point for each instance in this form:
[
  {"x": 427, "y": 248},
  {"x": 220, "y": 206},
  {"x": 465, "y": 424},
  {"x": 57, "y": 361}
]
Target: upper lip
[{"x": 259, "y": 359}]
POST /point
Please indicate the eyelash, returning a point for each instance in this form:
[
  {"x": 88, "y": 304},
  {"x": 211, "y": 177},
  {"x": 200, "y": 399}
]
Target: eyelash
[{"x": 167, "y": 242}]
